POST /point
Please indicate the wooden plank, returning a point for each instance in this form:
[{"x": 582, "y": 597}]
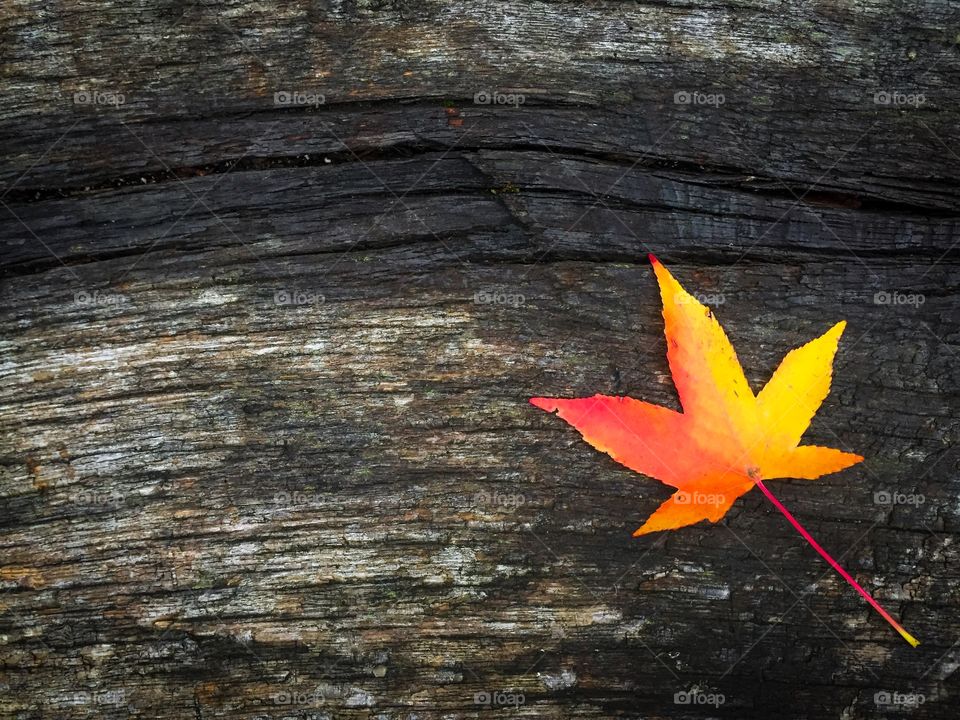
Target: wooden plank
[{"x": 266, "y": 449}]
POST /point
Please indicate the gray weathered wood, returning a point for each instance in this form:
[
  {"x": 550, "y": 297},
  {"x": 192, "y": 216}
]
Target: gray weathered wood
[{"x": 263, "y": 438}]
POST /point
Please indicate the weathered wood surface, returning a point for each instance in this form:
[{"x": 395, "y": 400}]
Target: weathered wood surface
[{"x": 264, "y": 440}]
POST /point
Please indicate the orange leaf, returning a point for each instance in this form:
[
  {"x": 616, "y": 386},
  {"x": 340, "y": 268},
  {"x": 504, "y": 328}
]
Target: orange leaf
[{"x": 726, "y": 440}]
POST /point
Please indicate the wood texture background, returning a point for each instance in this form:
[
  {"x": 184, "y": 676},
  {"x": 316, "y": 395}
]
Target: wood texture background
[{"x": 266, "y": 451}]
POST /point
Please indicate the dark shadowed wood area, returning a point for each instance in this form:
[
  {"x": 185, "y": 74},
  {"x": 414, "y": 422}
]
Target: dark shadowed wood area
[{"x": 278, "y": 280}]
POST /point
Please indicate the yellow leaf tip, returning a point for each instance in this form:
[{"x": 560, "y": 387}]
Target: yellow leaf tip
[{"x": 837, "y": 330}]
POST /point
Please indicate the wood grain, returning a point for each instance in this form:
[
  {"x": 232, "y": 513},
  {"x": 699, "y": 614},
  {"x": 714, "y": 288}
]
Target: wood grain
[{"x": 266, "y": 446}]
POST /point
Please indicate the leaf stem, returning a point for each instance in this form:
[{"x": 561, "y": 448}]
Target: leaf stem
[{"x": 836, "y": 566}]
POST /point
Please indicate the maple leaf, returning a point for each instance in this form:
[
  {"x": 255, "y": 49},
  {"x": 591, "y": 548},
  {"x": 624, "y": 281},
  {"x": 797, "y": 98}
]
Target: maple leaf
[{"x": 727, "y": 439}]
